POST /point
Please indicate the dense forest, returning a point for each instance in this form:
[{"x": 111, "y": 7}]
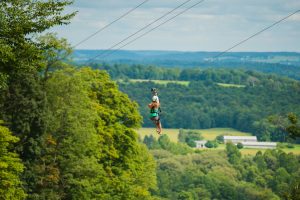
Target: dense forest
[
  {"x": 223, "y": 174},
  {"x": 68, "y": 133},
  {"x": 255, "y": 102}
]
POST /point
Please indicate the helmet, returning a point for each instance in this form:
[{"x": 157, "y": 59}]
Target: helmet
[
  {"x": 154, "y": 90},
  {"x": 155, "y": 98}
]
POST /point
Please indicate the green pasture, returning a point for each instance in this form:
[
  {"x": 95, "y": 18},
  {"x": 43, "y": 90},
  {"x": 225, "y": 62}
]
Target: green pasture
[
  {"x": 208, "y": 134},
  {"x": 295, "y": 150},
  {"x": 212, "y": 133},
  {"x": 172, "y": 133},
  {"x": 252, "y": 152},
  {"x": 161, "y": 82},
  {"x": 230, "y": 85},
  {"x": 185, "y": 83}
]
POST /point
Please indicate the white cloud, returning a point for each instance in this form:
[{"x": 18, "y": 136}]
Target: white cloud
[{"x": 212, "y": 25}]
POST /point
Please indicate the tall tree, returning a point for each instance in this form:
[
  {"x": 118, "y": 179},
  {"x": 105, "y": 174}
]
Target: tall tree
[
  {"x": 234, "y": 156},
  {"x": 128, "y": 165},
  {"x": 21, "y": 60},
  {"x": 90, "y": 149},
  {"x": 293, "y": 128}
]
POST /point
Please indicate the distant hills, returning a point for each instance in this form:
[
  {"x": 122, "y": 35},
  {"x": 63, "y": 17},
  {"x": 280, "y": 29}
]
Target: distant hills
[{"x": 282, "y": 63}]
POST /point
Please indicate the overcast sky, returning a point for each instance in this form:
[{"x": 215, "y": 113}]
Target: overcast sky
[{"x": 214, "y": 25}]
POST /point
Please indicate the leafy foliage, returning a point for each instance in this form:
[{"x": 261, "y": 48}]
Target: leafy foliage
[
  {"x": 239, "y": 145},
  {"x": 75, "y": 127},
  {"x": 23, "y": 100},
  {"x": 189, "y": 137},
  {"x": 89, "y": 148},
  {"x": 10, "y": 167},
  {"x": 294, "y": 128},
  {"x": 227, "y": 175},
  {"x": 233, "y": 153},
  {"x": 165, "y": 143},
  {"x": 211, "y": 144},
  {"x": 209, "y": 175}
]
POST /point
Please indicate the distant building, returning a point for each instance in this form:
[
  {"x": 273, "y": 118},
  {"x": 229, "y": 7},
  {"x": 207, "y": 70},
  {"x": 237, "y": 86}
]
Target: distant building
[
  {"x": 260, "y": 145},
  {"x": 250, "y": 142},
  {"x": 200, "y": 144},
  {"x": 239, "y": 139}
]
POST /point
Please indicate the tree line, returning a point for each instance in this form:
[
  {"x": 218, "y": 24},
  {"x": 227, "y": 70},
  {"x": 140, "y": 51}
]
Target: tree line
[{"x": 178, "y": 71}]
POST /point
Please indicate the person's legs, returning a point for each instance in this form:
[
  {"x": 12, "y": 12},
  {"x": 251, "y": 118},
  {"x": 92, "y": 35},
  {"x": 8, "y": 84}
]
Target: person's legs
[
  {"x": 157, "y": 123},
  {"x": 158, "y": 126}
]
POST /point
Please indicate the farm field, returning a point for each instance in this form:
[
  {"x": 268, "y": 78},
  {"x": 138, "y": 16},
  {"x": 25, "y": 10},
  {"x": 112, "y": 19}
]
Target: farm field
[
  {"x": 295, "y": 150},
  {"x": 208, "y": 134},
  {"x": 172, "y": 133},
  {"x": 161, "y": 82},
  {"x": 231, "y": 85},
  {"x": 250, "y": 151},
  {"x": 185, "y": 83},
  {"x": 211, "y": 134}
]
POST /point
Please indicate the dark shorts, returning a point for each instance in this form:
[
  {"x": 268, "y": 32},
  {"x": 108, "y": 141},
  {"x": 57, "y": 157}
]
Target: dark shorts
[{"x": 155, "y": 119}]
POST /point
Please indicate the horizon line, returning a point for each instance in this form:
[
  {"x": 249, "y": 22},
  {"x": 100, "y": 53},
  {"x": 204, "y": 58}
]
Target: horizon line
[{"x": 191, "y": 51}]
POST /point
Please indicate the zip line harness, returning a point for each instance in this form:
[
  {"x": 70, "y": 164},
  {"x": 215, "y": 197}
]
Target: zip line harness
[{"x": 155, "y": 112}]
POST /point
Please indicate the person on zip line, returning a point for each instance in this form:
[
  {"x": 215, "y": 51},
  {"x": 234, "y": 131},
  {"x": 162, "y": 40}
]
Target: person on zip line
[{"x": 155, "y": 111}]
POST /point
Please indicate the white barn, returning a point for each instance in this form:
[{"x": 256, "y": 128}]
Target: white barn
[
  {"x": 239, "y": 139},
  {"x": 200, "y": 144},
  {"x": 260, "y": 145}
]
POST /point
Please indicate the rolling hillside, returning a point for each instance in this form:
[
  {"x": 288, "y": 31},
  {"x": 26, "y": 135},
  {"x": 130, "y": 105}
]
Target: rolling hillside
[{"x": 281, "y": 63}]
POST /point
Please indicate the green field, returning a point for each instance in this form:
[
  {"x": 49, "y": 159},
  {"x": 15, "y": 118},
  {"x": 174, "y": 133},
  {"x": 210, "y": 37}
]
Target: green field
[
  {"x": 161, "y": 82},
  {"x": 185, "y": 83},
  {"x": 211, "y": 134},
  {"x": 208, "y": 134},
  {"x": 249, "y": 151},
  {"x": 231, "y": 85},
  {"x": 295, "y": 150},
  {"x": 172, "y": 133}
]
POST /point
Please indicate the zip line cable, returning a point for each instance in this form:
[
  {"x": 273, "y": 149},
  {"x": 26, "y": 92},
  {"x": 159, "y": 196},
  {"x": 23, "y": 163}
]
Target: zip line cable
[
  {"x": 155, "y": 27},
  {"x": 100, "y": 30},
  {"x": 257, "y": 33},
  {"x": 111, "y": 23},
  {"x": 143, "y": 28}
]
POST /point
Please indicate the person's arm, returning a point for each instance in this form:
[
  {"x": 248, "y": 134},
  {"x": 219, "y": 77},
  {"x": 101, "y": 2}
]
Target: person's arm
[{"x": 150, "y": 105}]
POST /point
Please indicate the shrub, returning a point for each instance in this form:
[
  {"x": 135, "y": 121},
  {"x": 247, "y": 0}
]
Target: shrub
[
  {"x": 211, "y": 144},
  {"x": 220, "y": 139},
  {"x": 280, "y": 145},
  {"x": 189, "y": 137},
  {"x": 240, "y": 145},
  {"x": 290, "y": 146}
]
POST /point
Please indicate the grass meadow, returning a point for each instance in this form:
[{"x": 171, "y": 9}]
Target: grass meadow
[
  {"x": 208, "y": 134},
  {"x": 161, "y": 82},
  {"x": 185, "y": 83}
]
